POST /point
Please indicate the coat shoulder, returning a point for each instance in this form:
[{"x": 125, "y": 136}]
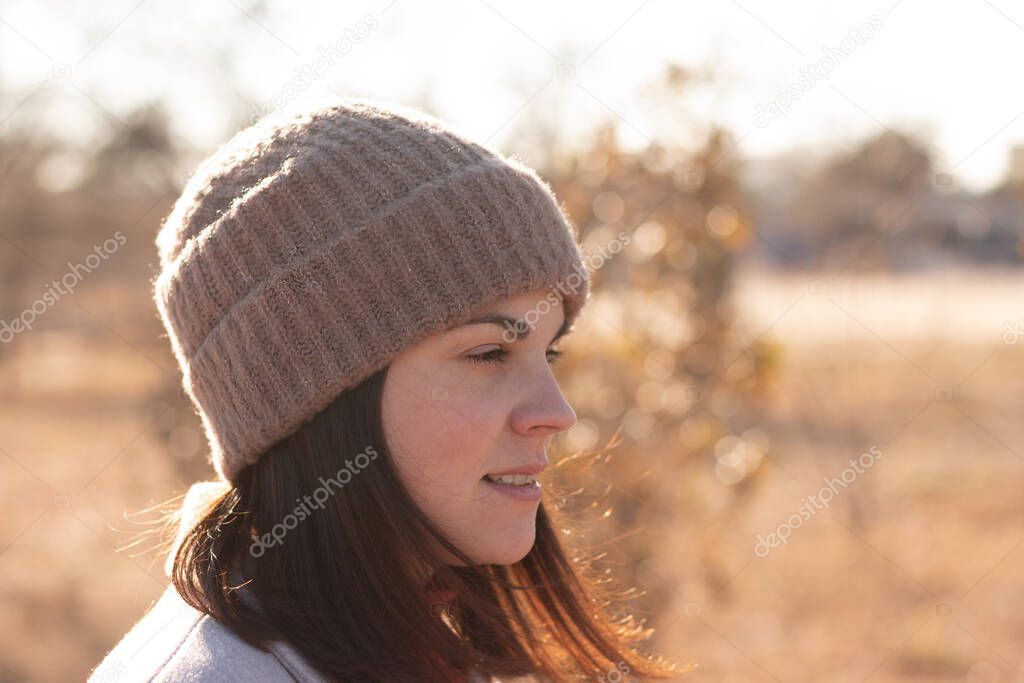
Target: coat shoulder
[{"x": 175, "y": 642}]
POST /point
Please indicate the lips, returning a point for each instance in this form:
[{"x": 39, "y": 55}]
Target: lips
[
  {"x": 532, "y": 469},
  {"x": 530, "y": 491}
]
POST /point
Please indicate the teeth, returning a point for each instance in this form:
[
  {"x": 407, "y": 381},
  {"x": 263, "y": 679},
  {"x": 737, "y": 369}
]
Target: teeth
[{"x": 515, "y": 479}]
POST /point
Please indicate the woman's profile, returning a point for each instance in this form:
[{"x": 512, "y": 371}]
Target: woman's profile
[{"x": 365, "y": 306}]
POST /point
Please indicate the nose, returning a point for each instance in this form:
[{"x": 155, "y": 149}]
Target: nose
[{"x": 543, "y": 410}]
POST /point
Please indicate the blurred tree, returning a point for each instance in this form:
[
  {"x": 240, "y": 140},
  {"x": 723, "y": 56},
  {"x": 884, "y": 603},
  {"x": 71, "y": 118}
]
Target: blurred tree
[
  {"x": 138, "y": 155},
  {"x": 858, "y": 196},
  {"x": 20, "y": 219},
  {"x": 662, "y": 228}
]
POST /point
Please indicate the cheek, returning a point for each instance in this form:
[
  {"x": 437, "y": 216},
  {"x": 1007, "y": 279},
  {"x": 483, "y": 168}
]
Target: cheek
[{"x": 442, "y": 445}]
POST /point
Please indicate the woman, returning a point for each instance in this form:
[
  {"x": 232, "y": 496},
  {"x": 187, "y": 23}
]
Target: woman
[{"x": 365, "y": 306}]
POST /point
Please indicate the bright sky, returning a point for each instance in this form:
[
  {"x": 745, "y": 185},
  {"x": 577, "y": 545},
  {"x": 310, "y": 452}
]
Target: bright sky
[{"x": 944, "y": 70}]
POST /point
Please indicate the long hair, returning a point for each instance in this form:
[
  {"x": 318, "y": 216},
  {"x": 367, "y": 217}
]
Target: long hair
[{"x": 342, "y": 565}]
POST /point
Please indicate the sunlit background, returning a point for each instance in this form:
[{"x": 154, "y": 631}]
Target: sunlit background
[{"x": 805, "y": 228}]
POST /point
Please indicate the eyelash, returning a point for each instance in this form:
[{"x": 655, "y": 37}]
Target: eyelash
[{"x": 497, "y": 356}]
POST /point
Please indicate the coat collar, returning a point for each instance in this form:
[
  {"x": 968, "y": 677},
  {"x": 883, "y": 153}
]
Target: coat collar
[{"x": 197, "y": 500}]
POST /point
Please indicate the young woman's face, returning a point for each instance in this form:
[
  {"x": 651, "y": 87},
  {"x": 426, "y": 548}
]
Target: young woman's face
[{"x": 473, "y": 402}]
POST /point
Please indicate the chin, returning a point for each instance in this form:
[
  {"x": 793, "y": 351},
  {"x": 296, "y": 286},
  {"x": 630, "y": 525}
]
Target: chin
[{"x": 508, "y": 553}]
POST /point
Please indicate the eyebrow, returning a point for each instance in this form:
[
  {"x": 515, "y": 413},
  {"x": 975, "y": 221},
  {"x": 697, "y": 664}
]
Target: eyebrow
[{"x": 503, "y": 321}]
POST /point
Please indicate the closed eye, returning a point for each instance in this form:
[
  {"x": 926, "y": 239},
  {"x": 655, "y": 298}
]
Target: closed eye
[{"x": 497, "y": 356}]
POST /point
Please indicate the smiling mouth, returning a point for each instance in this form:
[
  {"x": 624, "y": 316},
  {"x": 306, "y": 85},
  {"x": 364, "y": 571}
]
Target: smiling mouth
[
  {"x": 523, "y": 480},
  {"x": 519, "y": 487}
]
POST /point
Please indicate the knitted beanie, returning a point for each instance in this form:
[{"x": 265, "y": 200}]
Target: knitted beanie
[{"x": 312, "y": 248}]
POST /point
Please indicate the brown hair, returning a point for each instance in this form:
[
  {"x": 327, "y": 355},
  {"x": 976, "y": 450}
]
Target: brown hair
[{"x": 347, "y": 586}]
